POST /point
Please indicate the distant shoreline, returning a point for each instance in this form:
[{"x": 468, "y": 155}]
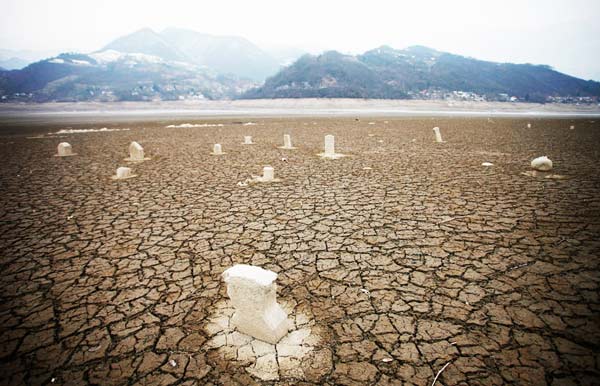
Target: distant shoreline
[{"x": 130, "y": 111}]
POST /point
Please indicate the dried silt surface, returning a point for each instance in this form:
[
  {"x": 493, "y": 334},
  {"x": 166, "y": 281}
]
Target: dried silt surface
[{"x": 399, "y": 260}]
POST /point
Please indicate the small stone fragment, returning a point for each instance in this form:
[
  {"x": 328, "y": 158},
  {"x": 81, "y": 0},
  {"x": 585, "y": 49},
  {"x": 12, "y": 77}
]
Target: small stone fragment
[{"x": 555, "y": 177}]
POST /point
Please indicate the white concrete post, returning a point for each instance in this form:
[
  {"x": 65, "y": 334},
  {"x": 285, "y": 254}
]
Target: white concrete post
[
  {"x": 253, "y": 293},
  {"x": 287, "y": 141},
  {"x": 329, "y": 145},
  {"x": 247, "y": 140},
  {"x": 217, "y": 149},
  {"x": 438, "y": 135}
]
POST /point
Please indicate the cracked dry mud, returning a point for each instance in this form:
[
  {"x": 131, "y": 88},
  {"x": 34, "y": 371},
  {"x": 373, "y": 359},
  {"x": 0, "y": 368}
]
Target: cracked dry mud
[{"x": 394, "y": 261}]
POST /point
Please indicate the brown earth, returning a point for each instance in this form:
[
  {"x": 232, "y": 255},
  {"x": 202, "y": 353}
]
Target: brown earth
[{"x": 427, "y": 258}]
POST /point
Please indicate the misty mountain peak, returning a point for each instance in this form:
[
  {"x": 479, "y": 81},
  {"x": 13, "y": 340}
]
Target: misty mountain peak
[
  {"x": 422, "y": 50},
  {"x": 145, "y": 32},
  {"x": 223, "y": 54},
  {"x": 145, "y": 41}
]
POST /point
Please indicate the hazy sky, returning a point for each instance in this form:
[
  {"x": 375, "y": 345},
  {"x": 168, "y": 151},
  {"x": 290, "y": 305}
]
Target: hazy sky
[{"x": 562, "y": 33}]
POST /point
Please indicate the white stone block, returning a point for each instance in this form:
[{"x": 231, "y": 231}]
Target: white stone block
[
  {"x": 253, "y": 293},
  {"x": 529, "y": 125},
  {"x": 248, "y": 140},
  {"x": 136, "y": 153},
  {"x": 123, "y": 173},
  {"x": 329, "y": 145},
  {"x": 542, "y": 164},
  {"x": 330, "y": 148},
  {"x": 268, "y": 176},
  {"x": 217, "y": 150},
  {"x": 438, "y": 135},
  {"x": 65, "y": 150},
  {"x": 287, "y": 142},
  {"x": 268, "y": 173}
]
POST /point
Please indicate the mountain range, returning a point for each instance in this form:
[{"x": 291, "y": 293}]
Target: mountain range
[
  {"x": 417, "y": 72},
  {"x": 184, "y": 64},
  {"x": 145, "y": 65},
  {"x": 110, "y": 75}
]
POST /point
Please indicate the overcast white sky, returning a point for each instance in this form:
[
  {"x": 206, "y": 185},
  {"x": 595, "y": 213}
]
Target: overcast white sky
[{"x": 562, "y": 33}]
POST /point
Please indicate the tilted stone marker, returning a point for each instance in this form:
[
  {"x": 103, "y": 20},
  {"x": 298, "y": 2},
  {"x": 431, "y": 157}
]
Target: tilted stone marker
[
  {"x": 248, "y": 140},
  {"x": 542, "y": 164},
  {"x": 330, "y": 148},
  {"x": 287, "y": 142},
  {"x": 123, "y": 173},
  {"x": 253, "y": 293},
  {"x": 217, "y": 149},
  {"x": 136, "y": 153},
  {"x": 438, "y": 135},
  {"x": 65, "y": 150}
]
